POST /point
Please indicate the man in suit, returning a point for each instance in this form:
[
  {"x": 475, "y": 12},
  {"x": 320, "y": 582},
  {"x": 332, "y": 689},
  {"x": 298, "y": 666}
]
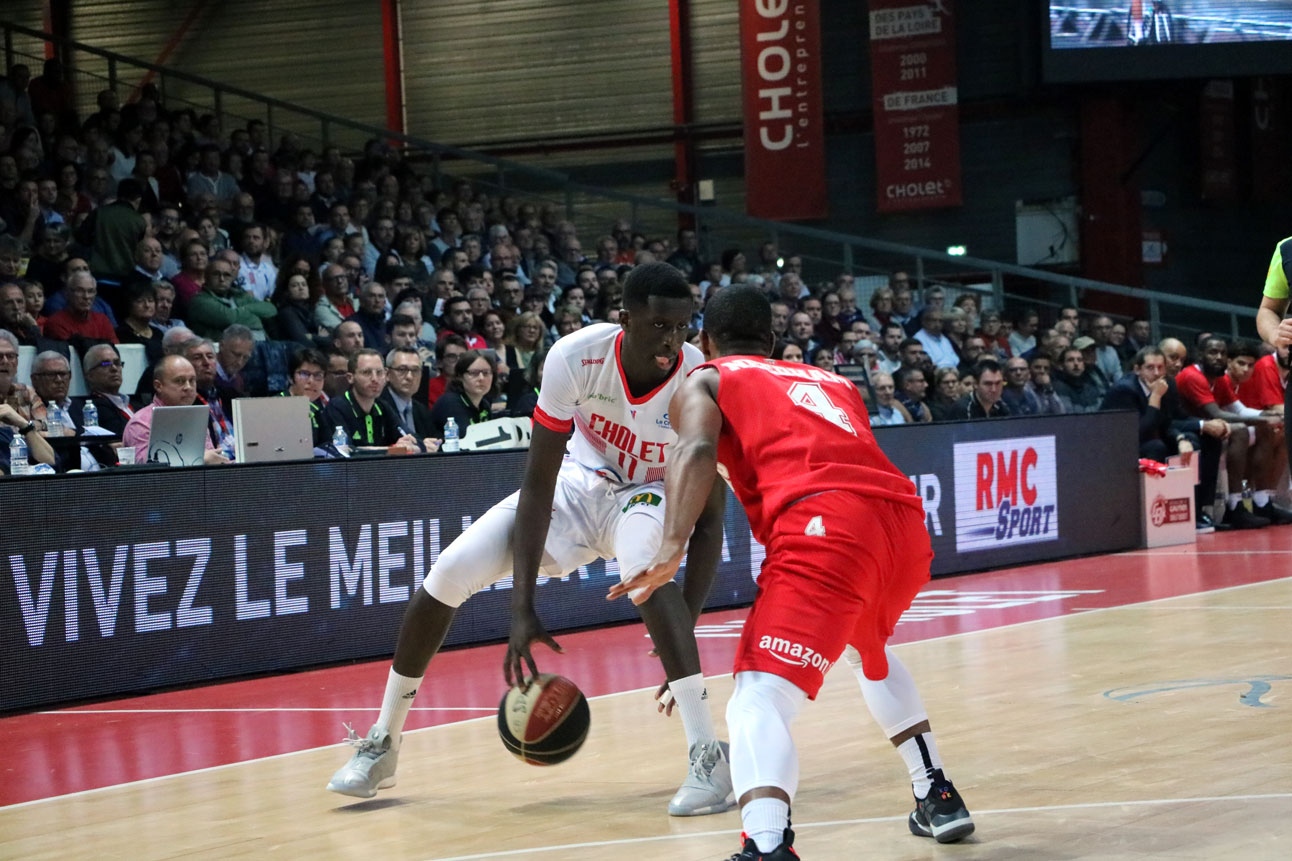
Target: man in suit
[
  {"x": 404, "y": 377},
  {"x": 1164, "y": 428}
]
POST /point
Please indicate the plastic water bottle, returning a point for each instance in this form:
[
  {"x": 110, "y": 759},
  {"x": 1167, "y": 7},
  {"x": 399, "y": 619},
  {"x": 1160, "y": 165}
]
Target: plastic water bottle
[
  {"x": 90, "y": 415},
  {"x": 18, "y": 464},
  {"x": 65, "y": 419},
  {"x": 53, "y": 422},
  {"x": 340, "y": 441},
  {"x": 450, "y": 436}
]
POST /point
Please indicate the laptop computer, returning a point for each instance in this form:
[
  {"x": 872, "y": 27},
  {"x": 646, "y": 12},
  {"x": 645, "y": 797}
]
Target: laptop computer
[
  {"x": 178, "y": 435},
  {"x": 271, "y": 429}
]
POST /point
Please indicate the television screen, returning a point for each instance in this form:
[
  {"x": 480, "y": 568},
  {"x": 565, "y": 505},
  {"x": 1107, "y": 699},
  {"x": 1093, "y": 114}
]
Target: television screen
[{"x": 1110, "y": 40}]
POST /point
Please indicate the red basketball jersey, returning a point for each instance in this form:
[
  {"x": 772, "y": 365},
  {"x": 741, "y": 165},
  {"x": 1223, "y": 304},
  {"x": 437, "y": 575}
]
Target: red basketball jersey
[{"x": 791, "y": 430}]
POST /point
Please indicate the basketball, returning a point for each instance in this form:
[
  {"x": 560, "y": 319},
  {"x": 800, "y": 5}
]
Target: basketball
[{"x": 545, "y": 722}]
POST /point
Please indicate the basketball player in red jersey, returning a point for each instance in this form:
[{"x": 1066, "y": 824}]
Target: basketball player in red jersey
[{"x": 846, "y": 552}]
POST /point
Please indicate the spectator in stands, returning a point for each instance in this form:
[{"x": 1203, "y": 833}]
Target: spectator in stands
[
  {"x": 787, "y": 351},
  {"x": 258, "y": 269},
  {"x": 20, "y": 212},
  {"x": 366, "y": 422},
  {"x": 494, "y": 331},
  {"x": 1206, "y": 394},
  {"x": 192, "y": 275},
  {"x": 913, "y": 355},
  {"x": 200, "y": 352},
  {"x": 174, "y": 385},
  {"x": 45, "y": 266},
  {"x": 1088, "y": 346},
  {"x": 102, "y": 366},
  {"x": 944, "y": 400},
  {"x": 137, "y": 321},
  {"x": 1043, "y": 387},
  {"x": 892, "y": 336},
  {"x": 79, "y": 321},
  {"x": 163, "y": 309},
  {"x": 1018, "y": 396},
  {"x": 51, "y": 376},
  {"x": 1076, "y": 385},
  {"x": 295, "y": 296},
  {"x": 208, "y": 179},
  {"x": 887, "y": 411},
  {"x": 337, "y": 378},
  {"x": 470, "y": 394},
  {"x": 974, "y": 349},
  {"x": 371, "y": 315},
  {"x": 12, "y": 423},
  {"x": 14, "y": 315},
  {"x": 50, "y": 93},
  {"x": 1107, "y": 361},
  {"x": 457, "y": 321},
  {"x": 687, "y": 256},
  {"x": 33, "y": 294},
  {"x": 939, "y": 348},
  {"x": 1138, "y": 335},
  {"x": 801, "y": 332},
  {"x": 1117, "y": 340},
  {"x": 237, "y": 346},
  {"x": 12, "y": 392},
  {"x": 148, "y": 265},
  {"x": 220, "y": 305},
  {"x": 1023, "y": 338},
  {"x": 447, "y": 351},
  {"x": 985, "y": 401},
  {"x": 112, "y": 232},
  {"x": 336, "y": 303},
  {"x": 523, "y": 342},
  {"x": 1176, "y": 355},
  {"x": 912, "y": 389},
  {"x": 993, "y": 335},
  {"x": 403, "y": 380},
  {"x": 347, "y": 337},
  {"x": 904, "y": 306}
]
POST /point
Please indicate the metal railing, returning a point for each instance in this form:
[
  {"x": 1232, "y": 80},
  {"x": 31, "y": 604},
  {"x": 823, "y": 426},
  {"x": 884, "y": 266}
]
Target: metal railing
[{"x": 824, "y": 252}]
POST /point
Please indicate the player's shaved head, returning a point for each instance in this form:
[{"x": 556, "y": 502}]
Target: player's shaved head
[
  {"x": 654, "y": 279},
  {"x": 739, "y": 318}
]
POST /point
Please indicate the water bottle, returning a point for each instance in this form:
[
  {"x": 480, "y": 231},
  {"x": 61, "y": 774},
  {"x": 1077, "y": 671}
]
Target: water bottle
[
  {"x": 90, "y": 415},
  {"x": 340, "y": 441},
  {"x": 65, "y": 419},
  {"x": 18, "y": 455},
  {"x": 450, "y": 436},
  {"x": 53, "y": 422}
]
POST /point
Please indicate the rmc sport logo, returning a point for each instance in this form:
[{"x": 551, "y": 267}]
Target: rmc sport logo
[{"x": 1006, "y": 493}]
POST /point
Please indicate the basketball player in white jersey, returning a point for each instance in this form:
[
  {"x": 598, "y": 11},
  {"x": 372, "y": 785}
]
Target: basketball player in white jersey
[{"x": 610, "y": 385}]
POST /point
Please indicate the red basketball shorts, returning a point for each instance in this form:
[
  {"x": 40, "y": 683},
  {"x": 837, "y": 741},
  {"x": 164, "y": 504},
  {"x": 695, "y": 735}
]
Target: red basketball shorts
[{"x": 840, "y": 570}]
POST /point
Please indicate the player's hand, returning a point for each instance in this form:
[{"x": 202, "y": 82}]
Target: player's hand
[
  {"x": 1218, "y": 428},
  {"x": 526, "y": 629},
  {"x": 664, "y": 700},
  {"x": 661, "y": 570}
]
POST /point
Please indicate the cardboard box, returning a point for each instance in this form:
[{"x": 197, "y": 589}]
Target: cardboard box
[{"x": 1169, "y": 514}]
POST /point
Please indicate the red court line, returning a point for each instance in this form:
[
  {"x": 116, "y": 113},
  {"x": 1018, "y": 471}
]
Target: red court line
[{"x": 110, "y": 743}]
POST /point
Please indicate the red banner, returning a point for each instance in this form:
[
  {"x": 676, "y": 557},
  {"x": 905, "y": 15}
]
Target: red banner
[
  {"x": 917, "y": 118},
  {"x": 780, "y": 67},
  {"x": 1219, "y": 161}
]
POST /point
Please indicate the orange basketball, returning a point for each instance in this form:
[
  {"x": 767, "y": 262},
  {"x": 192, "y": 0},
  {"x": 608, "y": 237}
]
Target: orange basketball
[{"x": 545, "y": 722}]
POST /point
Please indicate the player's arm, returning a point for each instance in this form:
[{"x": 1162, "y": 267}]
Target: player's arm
[
  {"x": 533, "y": 518},
  {"x": 704, "y": 551},
  {"x": 688, "y": 480}
]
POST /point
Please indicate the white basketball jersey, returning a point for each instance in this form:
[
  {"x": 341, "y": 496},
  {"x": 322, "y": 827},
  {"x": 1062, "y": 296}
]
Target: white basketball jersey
[{"x": 626, "y": 438}]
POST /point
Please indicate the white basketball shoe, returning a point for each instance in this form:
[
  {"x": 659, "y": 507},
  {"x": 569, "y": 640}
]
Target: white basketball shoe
[
  {"x": 371, "y": 768},
  {"x": 707, "y": 788}
]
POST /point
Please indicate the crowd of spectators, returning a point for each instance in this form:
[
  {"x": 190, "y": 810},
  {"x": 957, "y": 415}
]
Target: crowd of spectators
[{"x": 249, "y": 268}]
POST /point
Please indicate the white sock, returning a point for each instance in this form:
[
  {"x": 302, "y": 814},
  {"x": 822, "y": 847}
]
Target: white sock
[
  {"x": 765, "y": 821},
  {"x": 400, "y": 691},
  {"x": 692, "y": 702},
  {"x": 921, "y": 756},
  {"x": 1233, "y": 499},
  {"x": 1261, "y": 498}
]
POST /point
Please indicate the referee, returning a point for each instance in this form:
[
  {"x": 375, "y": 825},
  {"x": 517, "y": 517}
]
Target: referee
[{"x": 1274, "y": 327}]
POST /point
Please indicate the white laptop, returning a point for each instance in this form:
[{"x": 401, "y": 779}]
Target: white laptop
[
  {"x": 269, "y": 429},
  {"x": 178, "y": 435}
]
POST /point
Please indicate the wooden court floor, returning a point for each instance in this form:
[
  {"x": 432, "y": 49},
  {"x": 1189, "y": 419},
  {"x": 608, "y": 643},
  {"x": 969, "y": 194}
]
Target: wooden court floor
[{"x": 1140, "y": 727}]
